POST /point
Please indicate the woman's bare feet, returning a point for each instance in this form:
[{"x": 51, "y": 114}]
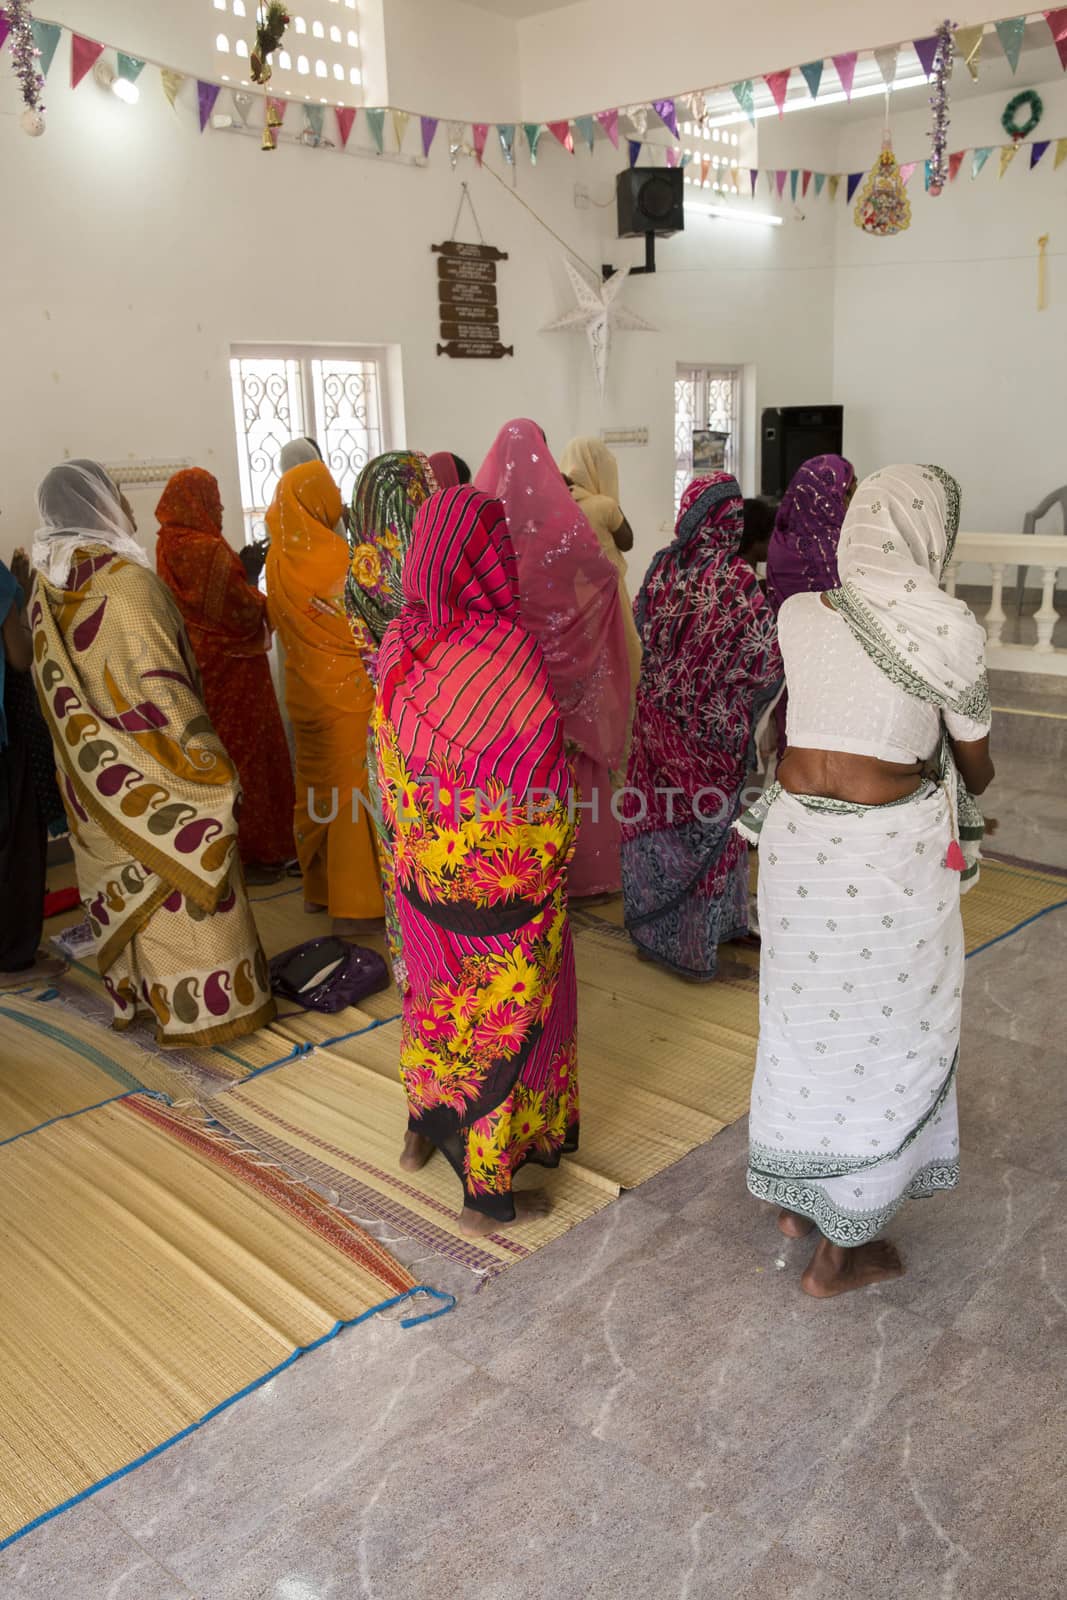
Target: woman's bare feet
[
  {"x": 834, "y": 1270},
  {"x": 793, "y": 1225},
  {"x": 529, "y": 1204},
  {"x": 353, "y": 927},
  {"x": 44, "y": 969},
  {"x": 416, "y": 1152}
]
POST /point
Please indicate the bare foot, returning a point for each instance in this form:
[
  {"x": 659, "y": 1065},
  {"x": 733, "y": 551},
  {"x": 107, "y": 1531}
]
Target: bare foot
[
  {"x": 793, "y": 1225},
  {"x": 353, "y": 927},
  {"x": 529, "y": 1204},
  {"x": 834, "y": 1270},
  {"x": 416, "y": 1152},
  {"x": 44, "y": 969}
]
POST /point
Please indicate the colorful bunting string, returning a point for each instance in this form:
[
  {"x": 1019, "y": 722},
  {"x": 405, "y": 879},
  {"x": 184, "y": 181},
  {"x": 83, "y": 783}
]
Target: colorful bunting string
[
  {"x": 428, "y": 128},
  {"x": 585, "y": 127},
  {"x": 665, "y": 111},
  {"x": 1057, "y": 21},
  {"x": 979, "y": 158},
  {"x": 533, "y": 138},
  {"x": 506, "y": 135},
  {"x": 376, "y": 123},
  {"x": 400, "y": 127},
  {"x": 479, "y": 134},
  {"x": 846, "y": 70},
  {"x": 346, "y": 116},
  {"x": 1037, "y": 150},
  {"x": 1008, "y": 152},
  {"x": 969, "y": 47},
  {"x": 84, "y": 54},
  {"x": 172, "y": 82},
  {"x": 812, "y": 75},
  {"x": 854, "y": 181},
  {"x": 46, "y": 38},
  {"x": 206, "y": 95},
  {"x": 635, "y": 150},
  {"x": 778, "y": 84},
  {"x": 609, "y": 121},
  {"x": 1010, "y": 33},
  {"x": 562, "y": 132}
]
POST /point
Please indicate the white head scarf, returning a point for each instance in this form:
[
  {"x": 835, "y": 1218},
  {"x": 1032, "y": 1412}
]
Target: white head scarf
[
  {"x": 897, "y": 539},
  {"x": 78, "y": 506},
  {"x": 295, "y": 453}
]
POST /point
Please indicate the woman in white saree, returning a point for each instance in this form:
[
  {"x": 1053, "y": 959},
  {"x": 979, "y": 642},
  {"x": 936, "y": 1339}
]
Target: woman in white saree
[{"x": 866, "y": 842}]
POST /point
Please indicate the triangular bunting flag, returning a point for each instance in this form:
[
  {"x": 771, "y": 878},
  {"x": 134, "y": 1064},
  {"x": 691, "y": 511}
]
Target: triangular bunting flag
[
  {"x": 635, "y": 150},
  {"x": 778, "y": 84},
  {"x": 928, "y": 168},
  {"x": 955, "y": 162},
  {"x": 804, "y": 184},
  {"x": 1037, "y": 150},
  {"x": 926, "y": 49},
  {"x": 457, "y": 132},
  {"x": 1008, "y": 153},
  {"x": 854, "y": 179},
  {"x": 506, "y": 135},
  {"x": 779, "y": 181},
  {"x": 753, "y": 176},
  {"x": 313, "y": 119},
  {"x": 969, "y": 47},
  {"x": 206, "y": 95},
  {"x": 533, "y": 138},
  {"x": 346, "y": 116},
  {"x": 812, "y": 75},
  {"x": 46, "y": 38},
  {"x": 84, "y": 54},
  {"x": 820, "y": 179},
  {"x": 609, "y": 121},
  {"x": 400, "y": 127},
  {"x": 376, "y": 123},
  {"x": 586, "y": 129},
  {"x": 1061, "y": 153},
  {"x": 906, "y": 170},
  {"x": 793, "y": 177},
  {"x": 1057, "y": 21},
  {"x": 479, "y": 134},
  {"x": 172, "y": 82},
  {"x": 666, "y": 113},
  {"x": 672, "y": 153},
  {"x": 638, "y": 118},
  {"x": 743, "y": 96},
  {"x": 5, "y": 28},
  {"x": 979, "y": 158},
  {"x": 770, "y": 180},
  {"x": 428, "y": 128},
  {"x": 1010, "y": 33},
  {"x": 130, "y": 67},
  {"x": 846, "y": 71},
  {"x": 562, "y": 131},
  {"x": 886, "y": 62},
  {"x": 834, "y": 181},
  {"x": 705, "y": 168}
]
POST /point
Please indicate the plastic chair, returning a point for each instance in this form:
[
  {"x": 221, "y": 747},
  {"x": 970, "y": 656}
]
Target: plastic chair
[{"x": 1058, "y": 497}]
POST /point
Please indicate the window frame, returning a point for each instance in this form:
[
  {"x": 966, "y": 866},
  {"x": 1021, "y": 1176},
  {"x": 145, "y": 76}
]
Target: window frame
[{"x": 705, "y": 372}]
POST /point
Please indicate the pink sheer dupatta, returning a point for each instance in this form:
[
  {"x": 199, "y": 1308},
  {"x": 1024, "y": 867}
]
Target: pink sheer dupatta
[{"x": 568, "y": 592}]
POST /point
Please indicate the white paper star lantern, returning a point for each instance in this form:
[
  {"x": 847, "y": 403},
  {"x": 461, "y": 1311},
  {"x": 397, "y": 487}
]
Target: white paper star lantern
[{"x": 598, "y": 314}]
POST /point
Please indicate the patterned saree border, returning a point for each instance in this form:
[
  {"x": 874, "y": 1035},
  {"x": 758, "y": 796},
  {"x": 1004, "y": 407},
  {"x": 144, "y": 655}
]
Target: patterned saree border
[{"x": 849, "y": 1228}]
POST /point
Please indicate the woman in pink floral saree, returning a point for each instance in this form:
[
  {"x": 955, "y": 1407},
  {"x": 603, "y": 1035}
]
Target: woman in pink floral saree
[{"x": 474, "y": 782}]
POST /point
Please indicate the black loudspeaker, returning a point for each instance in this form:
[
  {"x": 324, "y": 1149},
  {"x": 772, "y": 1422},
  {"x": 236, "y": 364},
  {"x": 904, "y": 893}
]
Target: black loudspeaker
[
  {"x": 650, "y": 200},
  {"x": 791, "y": 436}
]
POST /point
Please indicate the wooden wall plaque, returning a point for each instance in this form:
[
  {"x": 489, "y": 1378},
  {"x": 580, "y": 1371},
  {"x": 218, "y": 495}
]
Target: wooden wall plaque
[{"x": 466, "y": 297}]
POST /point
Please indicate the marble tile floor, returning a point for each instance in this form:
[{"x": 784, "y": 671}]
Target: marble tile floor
[{"x": 651, "y": 1408}]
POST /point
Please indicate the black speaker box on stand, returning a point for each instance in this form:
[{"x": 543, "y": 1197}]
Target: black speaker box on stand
[
  {"x": 650, "y": 200},
  {"x": 791, "y": 436}
]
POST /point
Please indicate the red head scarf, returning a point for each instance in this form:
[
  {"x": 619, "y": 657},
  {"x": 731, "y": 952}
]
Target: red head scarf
[
  {"x": 568, "y": 591},
  {"x": 202, "y": 571},
  {"x": 459, "y": 677},
  {"x": 444, "y": 470}
]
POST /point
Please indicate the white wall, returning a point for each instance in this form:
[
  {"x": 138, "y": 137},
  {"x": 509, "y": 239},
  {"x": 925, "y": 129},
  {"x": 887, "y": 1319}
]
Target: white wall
[
  {"x": 448, "y": 59},
  {"x": 940, "y": 353},
  {"x": 148, "y": 249}
]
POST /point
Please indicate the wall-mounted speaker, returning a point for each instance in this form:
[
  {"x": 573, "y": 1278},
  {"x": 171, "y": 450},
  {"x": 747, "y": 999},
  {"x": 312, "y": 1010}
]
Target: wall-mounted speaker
[
  {"x": 650, "y": 200},
  {"x": 791, "y": 436}
]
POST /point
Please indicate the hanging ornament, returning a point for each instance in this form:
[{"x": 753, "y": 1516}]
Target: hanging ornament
[
  {"x": 1009, "y": 120},
  {"x": 270, "y": 31},
  {"x": 26, "y": 58},
  {"x": 882, "y": 207},
  {"x": 598, "y": 315},
  {"x": 242, "y": 104},
  {"x": 942, "y": 71},
  {"x": 274, "y": 118}
]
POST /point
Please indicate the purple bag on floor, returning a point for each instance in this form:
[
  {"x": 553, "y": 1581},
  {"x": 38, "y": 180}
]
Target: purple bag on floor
[{"x": 327, "y": 974}]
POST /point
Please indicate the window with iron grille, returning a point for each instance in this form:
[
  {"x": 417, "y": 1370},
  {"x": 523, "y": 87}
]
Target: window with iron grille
[
  {"x": 280, "y": 392},
  {"x": 705, "y": 397}
]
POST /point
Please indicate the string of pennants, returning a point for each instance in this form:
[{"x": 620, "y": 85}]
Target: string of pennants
[
  {"x": 800, "y": 180},
  {"x": 572, "y": 132}
]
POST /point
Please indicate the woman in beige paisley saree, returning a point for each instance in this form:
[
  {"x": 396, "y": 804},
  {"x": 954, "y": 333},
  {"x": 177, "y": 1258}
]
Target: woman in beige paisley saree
[
  {"x": 150, "y": 792},
  {"x": 866, "y": 843}
]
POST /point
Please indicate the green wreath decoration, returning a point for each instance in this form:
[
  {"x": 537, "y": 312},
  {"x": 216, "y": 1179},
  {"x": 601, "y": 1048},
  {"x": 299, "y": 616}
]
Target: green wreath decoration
[{"x": 1025, "y": 97}]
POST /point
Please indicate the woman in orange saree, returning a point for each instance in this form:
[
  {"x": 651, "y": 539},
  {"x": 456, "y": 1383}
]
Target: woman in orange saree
[
  {"x": 226, "y": 619},
  {"x": 328, "y": 696},
  {"x": 149, "y": 791}
]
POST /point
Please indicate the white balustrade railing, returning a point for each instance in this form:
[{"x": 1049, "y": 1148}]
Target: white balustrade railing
[{"x": 1001, "y": 553}]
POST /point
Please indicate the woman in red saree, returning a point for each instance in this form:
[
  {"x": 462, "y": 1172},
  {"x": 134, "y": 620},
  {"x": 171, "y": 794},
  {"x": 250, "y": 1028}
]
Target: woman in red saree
[
  {"x": 474, "y": 784},
  {"x": 569, "y": 600},
  {"x": 226, "y": 620}
]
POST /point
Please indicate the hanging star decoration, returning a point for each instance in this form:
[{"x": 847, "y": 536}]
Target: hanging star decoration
[{"x": 598, "y": 315}]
